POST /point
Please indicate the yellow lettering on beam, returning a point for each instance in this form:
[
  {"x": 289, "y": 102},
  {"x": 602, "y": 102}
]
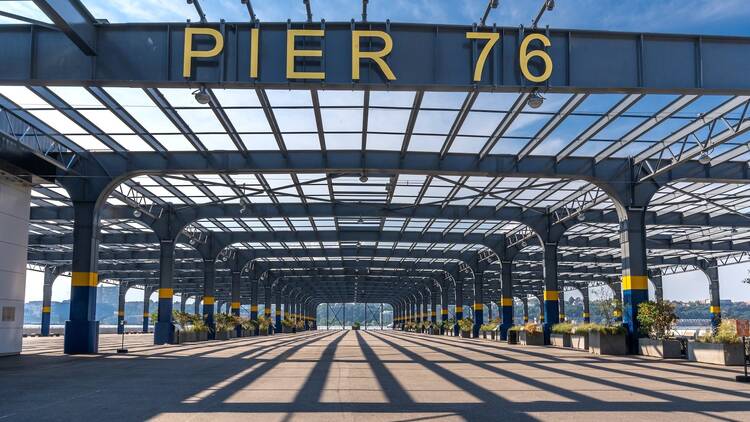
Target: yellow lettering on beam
[
  {"x": 492, "y": 38},
  {"x": 525, "y": 56},
  {"x": 292, "y": 53},
  {"x": 254, "y": 42},
  {"x": 376, "y": 56},
  {"x": 189, "y": 53}
]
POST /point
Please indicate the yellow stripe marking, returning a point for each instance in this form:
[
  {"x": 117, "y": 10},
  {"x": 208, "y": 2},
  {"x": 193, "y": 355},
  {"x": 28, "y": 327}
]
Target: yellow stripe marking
[
  {"x": 478, "y": 307},
  {"x": 166, "y": 293},
  {"x": 235, "y": 305},
  {"x": 84, "y": 279},
  {"x": 46, "y": 309},
  {"x": 551, "y": 295},
  {"x": 254, "y": 308},
  {"x": 715, "y": 309},
  {"x": 506, "y": 301},
  {"x": 208, "y": 300},
  {"x": 634, "y": 282}
]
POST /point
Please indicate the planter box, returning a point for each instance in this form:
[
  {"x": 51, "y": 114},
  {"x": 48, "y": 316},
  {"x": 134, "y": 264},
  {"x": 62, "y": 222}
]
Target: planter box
[
  {"x": 579, "y": 341},
  {"x": 186, "y": 337},
  {"x": 668, "y": 349},
  {"x": 717, "y": 353},
  {"x": 465, "y": 334},
  {"x": 490, "y": 334},
  {"x": 355, "y": 328},
  {"x": 512, "y": 337},
  {"x": 602, "y": 344},
  {"x": 530, "y": 339},
  {"x": 223, "y": 335},
  {"x": 561, "y": 340},
  {"x": 286, "y": 329}
]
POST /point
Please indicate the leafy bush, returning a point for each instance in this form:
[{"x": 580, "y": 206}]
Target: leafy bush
[
  {"x": 562, "y": 328},
  {"x": 532, "y": 328},
  {"x": 356, "y": 325},
  {"x": 226, "y": 322},
  {"x": 726, "y": 333},
  {"x": 264, "y": 323},
  {"x": 466, "y": 324},
  {"x": 656, "y": 318},
  {"x": 516, "y": 328},
  {"x": 488, "y": 327},
  {"x": 248, "y": 324}
]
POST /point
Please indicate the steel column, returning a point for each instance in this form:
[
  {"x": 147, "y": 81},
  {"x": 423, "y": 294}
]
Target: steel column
[
  {"x": 236, "y": 276},
  {"x": 209, "y": 288},
  {"x": 277, "y": 311},
  {"x": 525, "y": 301},
  {"x": 459, "y": 305},
  {"x": 634, "y": 270},
  {"x": 478, "y": 301},
  {"x": 506, "y": 298},
  {"x": 164, "y": 331},
  {"x": 50, "y": 274},
  {"x": 121, "y": 307},
  {"x": 82, "y": 329},
  {"x": 711, "y": 269},
  {"x": 147, "y": 290},
  {"x": 586, "y": 305},
  {"x": 551, "y": 290},
  {"x": 656, "y": 278}
]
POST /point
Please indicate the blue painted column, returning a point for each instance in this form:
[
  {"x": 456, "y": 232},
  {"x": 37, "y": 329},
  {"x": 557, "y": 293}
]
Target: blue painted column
[
  {"x": 121, "y": 307},
  {"x": 434, "y": 298},
  {"x": 147, "y": 290},
  {"x": 164, "y": 329},
  {"x": 277, "y": 311},
  {"x": 634, "y": 271},
  {"x": 209, "y": 288},
  {"x": 586, "y": 305},
  {"x": 197, "y": 305},
  {"x": 551, "y": 292},
  {"x": 235, "y": 304},
  {"x": 562, "y": 301},
  {"x": 267, "y": 307},
  {"x": 254, "y": 301},
  {"x": 506, "y": 299},
  {"x": 478, "y": 301},
  {"x": 459, "y": 306},
  {"x": 50, "y": 274},
  {"x": 82, "y": 329},
  {"x": 711, "y": 269}
]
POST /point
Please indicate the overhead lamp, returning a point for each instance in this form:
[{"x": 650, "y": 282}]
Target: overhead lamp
[
  {"x": 225, "y": 258},
  {"x": 704, "y": 158},
  {"x": 363, "y": 178},
  {"x": 524, "y": 244},
  {"x": 550, "y": 5},
  {"x": 201, "y": 95},
  {"x": 137, "y": 213},
  {"x": 535, "y": 100},
  {"x": 243, "y": 209},
  {"x": 193, "y": 241},
  {"x": 581, "y": 217}
]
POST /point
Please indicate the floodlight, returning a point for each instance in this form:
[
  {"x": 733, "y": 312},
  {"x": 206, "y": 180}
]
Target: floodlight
[
  {"x": 363, "y": 178},
  {"x": 137, "y": 213},
  {"x": 704, "y": 158},
  {"x": 535, "y": 100},
  {"x": 550, "y": 5},
  {"x": 581, "y": 216},
  {"x": 201, "y": 95}
]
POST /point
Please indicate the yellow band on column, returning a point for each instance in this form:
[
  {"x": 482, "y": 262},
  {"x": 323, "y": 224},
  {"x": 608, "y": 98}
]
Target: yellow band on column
[
  {"x": 634, "y": 282},
  {"x": 478, "y": 307},
  {"x": 267, "y": 311},
  {"x": 146, "y": 314},
  {"x": 586, "y": 315},
  {"x": 715, "y": 309},
  {"x": 434, "y": 313},
  {"x": 235, "y": 305},
  {"x": 541, "y": 317},
  {"x": 121, "y": 313},
  {"x": 208, "y": 300},
  {"x": 443, "y": 312},
  {"x": 254, "y": 308},
  {"x": 551, "y": 295},
  {"x": 617, "y": 312},
  {"x": 278, "y": 312},
  {"x": 46, "y": 309},
  {"x": 506, "y": 301},
  {"x": 84, "y": 279},
  {"x": 166, "y": 293}
]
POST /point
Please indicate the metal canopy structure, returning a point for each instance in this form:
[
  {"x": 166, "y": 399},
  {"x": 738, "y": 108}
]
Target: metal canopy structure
[{"x": 428, "y": 189}]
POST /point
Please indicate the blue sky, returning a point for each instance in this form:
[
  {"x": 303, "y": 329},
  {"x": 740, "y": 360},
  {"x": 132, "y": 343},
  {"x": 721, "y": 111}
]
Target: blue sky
[{"x": 715, "y": 17}]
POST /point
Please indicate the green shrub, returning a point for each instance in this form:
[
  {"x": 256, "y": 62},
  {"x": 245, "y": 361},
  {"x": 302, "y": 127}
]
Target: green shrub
[
  {"x": 356, "y": 325},
  {"x": 726, "y": 333},
  {"x": 609, "y": 330},
  {"x": 656, "y": 318},
  {"x": 562, "y": 328},
  {"x": 466, "y": 324},
  {"x": 488, "y": 327},
  {"x": 516, "y": 328}
]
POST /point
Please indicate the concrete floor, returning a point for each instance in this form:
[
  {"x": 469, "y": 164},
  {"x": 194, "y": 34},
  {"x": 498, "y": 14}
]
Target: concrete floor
[{"x": 345, "y": 376}]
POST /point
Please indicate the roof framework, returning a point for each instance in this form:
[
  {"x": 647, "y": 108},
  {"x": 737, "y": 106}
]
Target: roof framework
[{"x": 301, "y": 181}]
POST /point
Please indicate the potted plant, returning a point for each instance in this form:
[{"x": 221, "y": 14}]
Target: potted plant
[
  {"x": 287, "y": 325},
  {"x": 579, "y": 337},
  {"x": 356, "y": 325},
  {"x": 489, "y": 329},
  {"x": 448, "y": 325},
  {"x": 561, "y": 334},
  {"x": 531, "y": 335},
  {"x": 437, "y": 328},
  {"x": 466, "y": 325},
  {"x": 264, "y": 324},
  {"x": 723, "y": 347},
  {"x": 200, "y": 328},
  {"x": 513, "y": 334},
  {"x": 299, "y": 326},
  {"x": 248, "y": 327},
  {"x": 225, "y": 326},
  {"x": 656, "y": 321},
  {"x": 608, "y": 339}
]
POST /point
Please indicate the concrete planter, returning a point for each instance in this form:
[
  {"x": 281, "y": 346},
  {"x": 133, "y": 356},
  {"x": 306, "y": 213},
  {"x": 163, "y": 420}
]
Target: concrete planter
[
  {"x": 186, "y": 337},
  {"x": 287, "y": 330},
  {"x": 560, "y": 340},
  {"x": 730, "y": 354},
  {"x": 465, "y": 334},
  {"x": 490, "y": 334},
  {"x": 667, "y": 349},
  {"x": 604, "y": 344},
  {"x": 579, "y": 341},
  {"x": 224, "y": 335},
  {"x": 531, "y": 339},
  {"x": 512, "y": 337}
]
